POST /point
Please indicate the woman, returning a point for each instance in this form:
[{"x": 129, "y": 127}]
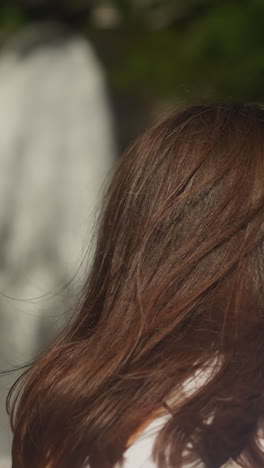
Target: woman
[{"x": 170, "y": 330}]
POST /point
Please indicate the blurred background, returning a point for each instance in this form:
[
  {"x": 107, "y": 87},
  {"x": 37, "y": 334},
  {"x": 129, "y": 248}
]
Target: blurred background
[{"x": 79, "y": 80}]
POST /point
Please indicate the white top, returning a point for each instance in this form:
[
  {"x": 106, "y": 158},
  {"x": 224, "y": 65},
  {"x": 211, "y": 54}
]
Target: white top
[{"x": 139, "y": 454}]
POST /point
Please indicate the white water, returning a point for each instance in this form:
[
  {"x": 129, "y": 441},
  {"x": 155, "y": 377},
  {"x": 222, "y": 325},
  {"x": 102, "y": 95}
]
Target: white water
[{"x": 56, "y": 148}]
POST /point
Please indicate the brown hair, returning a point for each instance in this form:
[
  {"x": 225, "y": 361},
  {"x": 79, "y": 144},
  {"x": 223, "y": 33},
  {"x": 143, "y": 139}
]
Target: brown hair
[{"x": 176, "y": 286}]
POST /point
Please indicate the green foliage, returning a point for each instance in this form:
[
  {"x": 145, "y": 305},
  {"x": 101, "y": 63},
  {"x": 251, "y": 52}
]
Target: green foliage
[
  {"x": 11, "y": 17},
  {"x": 210, "y": 49},
  {"x": 217, "y": 55}
]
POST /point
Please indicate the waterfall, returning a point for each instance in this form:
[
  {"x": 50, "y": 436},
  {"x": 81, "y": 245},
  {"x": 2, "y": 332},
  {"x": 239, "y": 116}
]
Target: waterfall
[{"x": 56, "y": 150}]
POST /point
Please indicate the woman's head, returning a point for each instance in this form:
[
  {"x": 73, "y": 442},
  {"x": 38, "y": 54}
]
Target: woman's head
[{"x": 176, "y": 285}]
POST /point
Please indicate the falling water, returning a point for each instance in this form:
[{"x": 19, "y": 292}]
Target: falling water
[{"x": 56, "y": 150}]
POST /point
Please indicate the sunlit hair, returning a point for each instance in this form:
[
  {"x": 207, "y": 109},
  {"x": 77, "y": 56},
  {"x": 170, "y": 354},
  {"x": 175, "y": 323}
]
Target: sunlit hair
[{"x": 176, "y": 287}]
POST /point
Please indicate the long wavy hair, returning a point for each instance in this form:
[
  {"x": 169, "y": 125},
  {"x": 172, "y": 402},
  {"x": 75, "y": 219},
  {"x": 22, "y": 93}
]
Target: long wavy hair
[{"x": 176, "y": 288}]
